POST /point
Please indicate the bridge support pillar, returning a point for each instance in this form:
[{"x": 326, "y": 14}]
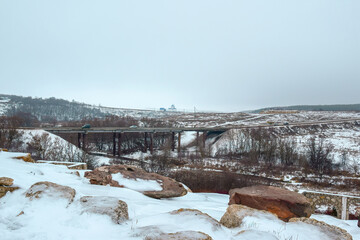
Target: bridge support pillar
[
  {"x": 197, "y": 143},
  {"x": 151, "y": 143},
  {"x": 204, "y": 139},
  {"x": 119, "y": 145},
  {"x": 84, "y": 141},
  {"x": 173, "y": 141},
  {"x": 114, "y": 144},
  {"x": 145, "y": 142},
  {"x": 79, "y": 140},
  {"x": 179, "y": 143}
]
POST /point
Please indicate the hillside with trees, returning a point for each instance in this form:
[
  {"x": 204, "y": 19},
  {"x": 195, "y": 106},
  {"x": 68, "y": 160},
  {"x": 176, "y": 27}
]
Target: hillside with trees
[{"x": 47, "y": 109}]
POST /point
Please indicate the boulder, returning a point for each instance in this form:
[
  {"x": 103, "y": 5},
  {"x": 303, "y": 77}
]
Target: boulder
[
  {"x": 111, "y": 206},
  {"x": 184, "y": 235},
  {"x": 199, "y": 215},
  {"x": 103, "y": 176},
  {"x": 236, "y": 213},
  {"x": 333, "y": 232},
  {"x": 5, "y": 189},
  {"x": 49, "y": 189},
  {"x": 5, "y": 181},
  {"x": 284, "y": 203}
]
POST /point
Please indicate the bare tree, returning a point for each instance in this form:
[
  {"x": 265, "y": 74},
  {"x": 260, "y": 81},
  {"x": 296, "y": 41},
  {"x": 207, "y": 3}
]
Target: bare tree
[{"x": 319, "y": 156}]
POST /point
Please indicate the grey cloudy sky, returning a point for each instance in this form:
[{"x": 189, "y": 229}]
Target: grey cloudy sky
[{"x": 215, "y": 55}]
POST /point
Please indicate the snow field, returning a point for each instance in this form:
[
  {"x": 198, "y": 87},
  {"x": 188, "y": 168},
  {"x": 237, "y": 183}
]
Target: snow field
[{"x": 49, "y": 218}]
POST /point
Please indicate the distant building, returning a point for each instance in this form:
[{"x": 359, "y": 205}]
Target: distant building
[
  {"x": 163, "y": 109},
  {"x": 172, "y": 108}
]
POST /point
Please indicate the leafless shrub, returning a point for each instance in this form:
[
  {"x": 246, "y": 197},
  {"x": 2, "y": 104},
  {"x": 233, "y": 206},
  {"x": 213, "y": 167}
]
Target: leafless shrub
[
  {"x": 10, "y": 136},
  {"x": 319, "y": 156}
]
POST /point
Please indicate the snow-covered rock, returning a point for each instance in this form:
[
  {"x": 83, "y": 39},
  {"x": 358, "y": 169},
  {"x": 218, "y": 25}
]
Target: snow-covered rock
[
  {"x": 251, "y": 234},
  {"x": 184, "y": 235},
  {"x": 235, "y": 214},
  {"x": 150, "y": 184},
  {"x": 331, "y": 231},
  {"x": 111, "y": 206},
  {"x": 199, "y": 215},
  {"x": 49, "y": 189},
  {"x": 5, "y": 181},
  {"x": 5, "y": 189},
  {"x": 53, "y": 218}
]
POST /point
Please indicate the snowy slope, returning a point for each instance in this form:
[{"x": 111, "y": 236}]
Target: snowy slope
[
  {"x": 343, "y": 138},
  {"x": 53, "y": 219}
]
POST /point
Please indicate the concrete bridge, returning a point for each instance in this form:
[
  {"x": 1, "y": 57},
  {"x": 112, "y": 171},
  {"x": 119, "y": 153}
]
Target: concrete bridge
[
  {"x": 149, "y": 132},
  {"x": 148, "y": 135},
  {"x": 341, "y": 203}
]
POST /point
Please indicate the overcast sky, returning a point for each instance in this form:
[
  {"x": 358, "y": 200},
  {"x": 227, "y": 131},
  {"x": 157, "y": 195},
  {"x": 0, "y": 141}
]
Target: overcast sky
[{"x": 213, "y": 55}]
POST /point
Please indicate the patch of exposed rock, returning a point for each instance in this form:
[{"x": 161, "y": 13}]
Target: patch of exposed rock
[
  {"x": 26, "y": 158},
  {"x": 5, "y": 181},
  {"x": 5, "y": 186},
  {"x": 4, "y": 190},
  {"x": 102, "y": 176},
  {"x": 200, "y": 215},
  {"x": 111, "y": 206},
  {"x": 49, "y": 189},
  {"x": 333, "y": 232},
  {"x": 184, "y": 235},
  {"x": 236, "y": 213},
  {"x": 284, "y": 203}
]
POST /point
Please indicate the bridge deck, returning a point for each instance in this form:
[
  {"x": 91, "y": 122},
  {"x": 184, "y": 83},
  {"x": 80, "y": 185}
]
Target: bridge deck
[
  {"x": 187, "y": 129},
  {"x": 133, "y": 130}
]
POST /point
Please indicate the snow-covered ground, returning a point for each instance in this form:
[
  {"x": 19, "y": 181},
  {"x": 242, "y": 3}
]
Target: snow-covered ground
[
  {"x": 47, "y": 218},
  {"x": 245, "y": 119},
  {"x": 4, "y": 106},
  {"x": 344, "y": 139}
]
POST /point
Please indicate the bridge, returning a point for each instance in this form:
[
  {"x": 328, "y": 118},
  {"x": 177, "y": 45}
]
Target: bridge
[
  {"x": 150, "y": 131},
  {"x": 148, "y": 135},
  {"x": 341, "y": 203}
]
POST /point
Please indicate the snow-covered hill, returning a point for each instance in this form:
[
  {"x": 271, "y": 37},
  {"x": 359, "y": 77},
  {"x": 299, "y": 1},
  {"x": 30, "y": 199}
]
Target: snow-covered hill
[
  {"x": 63, "y": 110},
  {"x": 344, "y": 139},
  {"x": 52, "y": 218}
]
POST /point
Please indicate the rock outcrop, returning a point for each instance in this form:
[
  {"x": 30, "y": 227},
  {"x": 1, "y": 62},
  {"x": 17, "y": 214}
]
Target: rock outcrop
[
  {"x": 49, "y": 189},
  {"x": 103, "y": 176},
  {"x": 184, "y": 235},
  {"x": 333, "y": 232},
  {"x": 111, "y": 206},
  {"x": 236, "y": 213},
  {"x": 6, "y": 186},
  {"x": 284, "y": 203},
  {"x": 5, "y": 181},
  {"x": 4, "y": 190}
]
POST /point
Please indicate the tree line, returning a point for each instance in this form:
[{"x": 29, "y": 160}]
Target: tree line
[{"x": 255, "y": 146}]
